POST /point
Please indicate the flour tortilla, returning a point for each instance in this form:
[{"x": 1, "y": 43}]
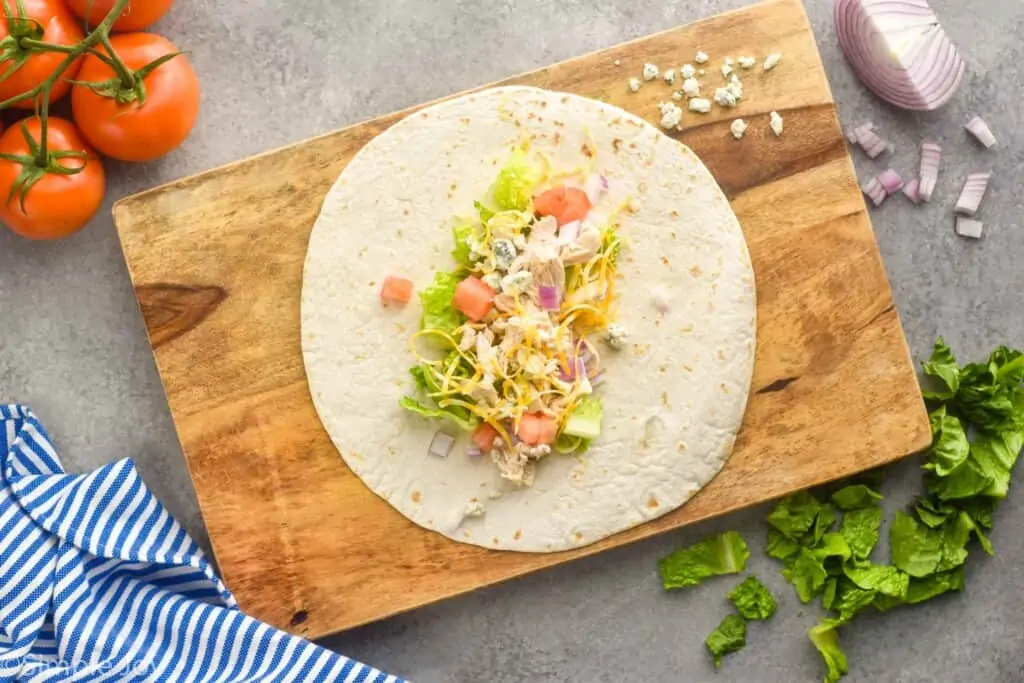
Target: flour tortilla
[{"x": 673, "y": 398}]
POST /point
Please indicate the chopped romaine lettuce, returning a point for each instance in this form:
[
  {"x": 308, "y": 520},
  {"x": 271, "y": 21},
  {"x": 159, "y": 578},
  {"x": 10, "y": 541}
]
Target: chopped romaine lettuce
[
  {"x": 484, "y": 212},
  {"x": 585, "y": 421},
  {"x": 724, "y": 553},
  {"x": 571, "y": 444},
  {"x": 795, "y": 515},
  {"x": 462, "y": 233},
  {"x": 943, "y": 369},
  {"x": 826, "y": 639},
  {"x": 860, "y": 529},
  {"x": 438, "y": 311},
  {"x": 883, "y": 579},
  {"x": 752, "y": 599},
  {"x": 855, "y": 497},
  {"x": 515, "y": 184},
  {"x": 457, "y": 414},
  {"x": 730, "y": 636}
]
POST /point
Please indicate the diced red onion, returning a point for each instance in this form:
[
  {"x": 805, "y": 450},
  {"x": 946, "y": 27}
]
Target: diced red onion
[
  {"x": 899, "y": 51},
  {"x": 891, "y": 181},
  {"x": 548, "y": 296},
  {"x": 972, "y": 194},
  {"x": 474, "y": 451},
  {"x": 851, "y": 135},
  {"x": 441, "y": 445},
  {"x": 980, "y": 130},
  {"x": 931, "y": 155},
  {"x": 595, "y": 186},
  {"x": 911, "y": 190},
  {"x": 577, "y": 369},
  {"x": 874, "y": 191},
  {"x": 968, "y": 227},
  {"x": 871, "y": 142}
]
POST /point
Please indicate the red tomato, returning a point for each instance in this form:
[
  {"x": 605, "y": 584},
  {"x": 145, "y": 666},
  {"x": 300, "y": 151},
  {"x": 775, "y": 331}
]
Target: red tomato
[
  {"x": 60, "y": 27},
  {"x": 484, "y": 436},
  {"x": 57, "y": 205},
  {"x": 139, "y": 14},
  {"x": 473, "y": 297},
  {"x": 130, "y": 131},
  {"x": 537, "y": 428},
  {"x": 396, "y": 290},
  {"x": 566, "y": 204}
]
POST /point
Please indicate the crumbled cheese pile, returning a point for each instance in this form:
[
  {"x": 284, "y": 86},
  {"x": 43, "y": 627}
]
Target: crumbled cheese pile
[{"x": 727, "y": 96}]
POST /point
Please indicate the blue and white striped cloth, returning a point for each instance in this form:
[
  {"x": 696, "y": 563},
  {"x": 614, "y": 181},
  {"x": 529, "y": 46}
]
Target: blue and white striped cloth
[{"x": 99, "y": 583}]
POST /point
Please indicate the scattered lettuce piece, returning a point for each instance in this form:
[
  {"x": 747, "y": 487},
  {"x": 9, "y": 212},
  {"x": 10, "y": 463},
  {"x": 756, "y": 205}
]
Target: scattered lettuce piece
[
  {"x": 860, "y": 528},
  {"x": 753, "y": 600},
  {"x": 724, "y": 553},
  {"x": 807, "y": 574},
  {"x": 924, "y": 589},
  {"x": 826, "y": 639},
  {"x": 485, "y": 213},
  {"x": 585, "y": 421},
  {"x": 915, "y": 549},
  {"x": 851, "y": 599},
  {"x": 513, "y": 190},
  {"x": 571, "y": 444},
  {"x": 996, "y": 454},
  {"x": 949, "y": 447},
  {"x": 933, "y": 513},
  {"x": 882, "y": 579},
  {"x": 795, "y": 515},
  {"x": 855, "y": 497},
  {"x": 438, "y": 311},
  {"x": 828, "y": 596},
  {"x": 729, "y": 636},
  {"x": 965, "y": 481},
  {"x": 943, "y": 369},
  {"x": 823, "y": 523},
  {"x": 779, "y": 546}
]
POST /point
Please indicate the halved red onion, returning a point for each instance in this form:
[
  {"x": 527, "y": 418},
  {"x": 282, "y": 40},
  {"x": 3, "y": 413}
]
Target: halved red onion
[
  {"x": 874, "y": 191},
  {"x": 549, "y": 299},
  {"x": 890, "y": 181},
  {"x": 980, "y": 130},
  {"x": 912, "y": 190},
  {"x": 441, "y": 445},
  {"x": 595, "y": 186},
  {"x": 968, "y": 227},
  {"x": 899, "y": 51},
  {"x": 871, "y": 142},
  {"x": 972, "y": 194},
  {"x": 931, "y": 155}
]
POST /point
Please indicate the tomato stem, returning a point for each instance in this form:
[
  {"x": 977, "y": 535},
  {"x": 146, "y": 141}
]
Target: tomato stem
[
  {"x": 42, "y": 45},
  {"x": 120, "y": 68}
]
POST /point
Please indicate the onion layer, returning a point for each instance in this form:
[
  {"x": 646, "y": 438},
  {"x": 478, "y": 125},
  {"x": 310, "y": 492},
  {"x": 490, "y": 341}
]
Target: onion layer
[{"x": 899, "y": 51}]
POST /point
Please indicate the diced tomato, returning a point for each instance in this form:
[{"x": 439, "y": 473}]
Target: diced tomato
[
  {"x": 537, "y": 428},
  {"x": 484, "y": 436},
  {"x": 473, "y": 297},
  {"x": 396, "y": 290},
  {"x": 566, "y": 204}
]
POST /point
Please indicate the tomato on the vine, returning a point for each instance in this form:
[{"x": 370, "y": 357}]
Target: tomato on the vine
[
  {"x": 138, "y": 15},
  {"x": 50, "y": 23},
  {"x": 56, "y": 204},
  {"x": 137, "y": 124}
]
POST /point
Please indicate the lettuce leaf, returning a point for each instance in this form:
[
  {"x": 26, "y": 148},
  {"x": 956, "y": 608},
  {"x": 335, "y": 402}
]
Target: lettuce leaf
[
  {"x": 883, "y": 579},
  {"x": 944, "y": 371},
  {"x": 996, "y": 454},
  {"x": 823, "y": 523},
  {"x": 949, "y": 447},
  {"x": 860, "y": 528},
  {"x": 779, "y": 546},
  {"x": 752, "y": 599},
  {"x": 920, "y": 590},
  {"x": 965, "y": 481},
  {"x": 462, "y": 233},
  {"x": 915, "y": 549},
  {"x": 724, "y": 553},
  {"x": 851, "y": 599},
  {"x": 439, "y": 313},
  {"x": 485, "y": 213},
  {"x": 456, "y": 414},
  {"x": 513, "y": 190},
  {"x": 795, "y": 515},
  {"x": 933, "y": 513},
  {"x": 729, "y": 636},
  {"x": 807, "y": 574},
  {"x": 826, "y": 639},
  {"x": 855, "y": 497}
]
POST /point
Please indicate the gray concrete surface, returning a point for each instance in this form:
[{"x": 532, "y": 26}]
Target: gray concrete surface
[{"x": 275, "y": 71}]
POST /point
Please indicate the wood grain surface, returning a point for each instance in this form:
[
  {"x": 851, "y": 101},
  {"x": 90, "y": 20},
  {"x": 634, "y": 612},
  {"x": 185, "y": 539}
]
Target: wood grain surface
[{"x": 217, "y": 259}]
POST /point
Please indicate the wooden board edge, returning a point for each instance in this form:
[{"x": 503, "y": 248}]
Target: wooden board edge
[{"x": 124, "y": 202}]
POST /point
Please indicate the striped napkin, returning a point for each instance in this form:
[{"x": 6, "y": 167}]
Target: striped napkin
[{"x": 99, "y": 583}]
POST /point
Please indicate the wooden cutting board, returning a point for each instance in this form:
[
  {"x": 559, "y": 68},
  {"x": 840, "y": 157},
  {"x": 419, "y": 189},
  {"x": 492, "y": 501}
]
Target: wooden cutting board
[{"x": 217, "y": 258}]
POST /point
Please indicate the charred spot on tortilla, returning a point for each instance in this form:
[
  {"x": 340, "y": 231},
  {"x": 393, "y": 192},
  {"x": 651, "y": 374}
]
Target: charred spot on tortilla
[
  {"x": 416, "y": 496},
  {"x": 502, "y": 176},
  {"x": 652, "y": 502}
]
